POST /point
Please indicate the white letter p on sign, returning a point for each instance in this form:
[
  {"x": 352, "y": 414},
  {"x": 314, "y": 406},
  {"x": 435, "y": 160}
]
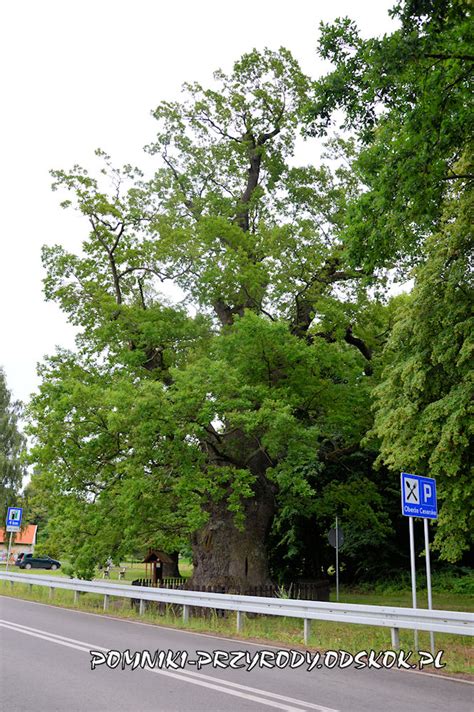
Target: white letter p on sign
[{"x": 427, "y": 491}]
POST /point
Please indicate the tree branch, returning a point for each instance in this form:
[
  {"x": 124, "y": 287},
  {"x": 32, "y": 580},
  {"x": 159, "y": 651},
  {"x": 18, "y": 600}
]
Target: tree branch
[
  {"x": 463, "y": 57},
  {"x": 188, "y": 202},
  {"x": 110, "y": 254},
  {"x": 461, "y": 176},
  {"x": 349, "y": 338}
]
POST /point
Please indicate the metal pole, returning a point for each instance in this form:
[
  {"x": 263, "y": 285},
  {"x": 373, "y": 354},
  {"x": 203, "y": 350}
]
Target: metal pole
[
  {"x": 337, "y": 560},
  {"x": 306, "y": 630},
  {"x": 395, "y": 638},
  {"x": 413, "y": 571},
  {"x": 240, "y": 621},
  {"x": 9, "y": 550},
  {"x": 428, "y": 579}
]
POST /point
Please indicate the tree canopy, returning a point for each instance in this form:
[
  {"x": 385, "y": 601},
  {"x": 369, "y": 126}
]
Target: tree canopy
[
  {"x": 239, "y": 415},
  {"x": 424, "y": 404},
  {"x": 172, "y": 423},
  {"x": 12, "y": 445},
  {"x": 407, "y": 97}
]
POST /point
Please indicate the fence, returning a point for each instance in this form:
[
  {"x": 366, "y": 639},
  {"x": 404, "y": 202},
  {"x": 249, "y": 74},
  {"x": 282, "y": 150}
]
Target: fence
[
  {"x": 384, "y": 616},
  {"x": 303, "y": 590}
]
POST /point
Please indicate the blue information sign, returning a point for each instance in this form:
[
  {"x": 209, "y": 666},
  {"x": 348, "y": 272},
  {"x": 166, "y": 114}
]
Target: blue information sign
[
  {"x": 419, "y": 496},
  {"x": 14, "y": 517}
]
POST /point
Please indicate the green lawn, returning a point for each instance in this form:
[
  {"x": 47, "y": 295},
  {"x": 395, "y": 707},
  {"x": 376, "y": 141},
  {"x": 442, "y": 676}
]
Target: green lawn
[
  {"x": 137, "y": 570},
  {"x": 133, "y": 570},
  {"x": 441, "y": 601}
]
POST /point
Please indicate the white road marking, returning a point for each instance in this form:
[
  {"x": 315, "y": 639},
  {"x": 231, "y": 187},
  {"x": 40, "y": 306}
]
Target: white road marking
[
  {"x": 23, "y": 629},
  {"x": 244, "y": 641},
  {"x": 311, "y": 705},
  {"x": 242, "y": 691}
]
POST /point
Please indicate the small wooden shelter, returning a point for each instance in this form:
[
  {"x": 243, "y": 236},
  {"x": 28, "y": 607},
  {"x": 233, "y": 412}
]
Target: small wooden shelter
[{"x": 156, "y": 558}]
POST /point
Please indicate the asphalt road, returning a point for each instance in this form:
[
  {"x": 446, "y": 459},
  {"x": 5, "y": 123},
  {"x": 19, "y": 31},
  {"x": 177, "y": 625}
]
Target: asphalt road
[{"x": 45, "y": 666}]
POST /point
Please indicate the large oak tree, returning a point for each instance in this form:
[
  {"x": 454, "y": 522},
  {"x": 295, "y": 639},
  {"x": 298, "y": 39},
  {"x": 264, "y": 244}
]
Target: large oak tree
[{"x": 205, "y": 418}]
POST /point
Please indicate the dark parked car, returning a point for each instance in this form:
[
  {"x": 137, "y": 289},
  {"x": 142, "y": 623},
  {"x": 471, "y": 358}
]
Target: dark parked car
[{"x": 28, "y": 561}]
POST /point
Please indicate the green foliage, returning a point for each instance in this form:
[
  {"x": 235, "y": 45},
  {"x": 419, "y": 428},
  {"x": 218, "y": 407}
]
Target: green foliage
[
  {"x": 407, "y": 100},
  {"x": 12, "y": 444},
  {"x": 103, "y": 460},
  {"x": 47, "y": 548},
  {"x": 160, "y": 414},
  {"x": 457, "y": 580},
  {"x": 464, "y": 585},
  {"x": 408, "y": 96},
  {"x": 424, "y": 403}
]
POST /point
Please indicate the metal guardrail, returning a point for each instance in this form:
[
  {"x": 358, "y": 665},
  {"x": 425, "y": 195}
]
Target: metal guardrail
[{"x": 392, "y": 617}]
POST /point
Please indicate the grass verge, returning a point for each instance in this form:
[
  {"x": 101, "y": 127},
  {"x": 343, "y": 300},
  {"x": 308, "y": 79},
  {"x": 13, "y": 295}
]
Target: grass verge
[{"x": 135, "y": 570}]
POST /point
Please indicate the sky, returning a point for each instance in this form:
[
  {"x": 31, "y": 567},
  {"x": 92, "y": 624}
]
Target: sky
[{"x": 81, "y": 75}]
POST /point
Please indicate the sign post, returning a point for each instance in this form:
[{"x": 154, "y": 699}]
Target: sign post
[
  {"x": 14, "y": 516},
  {"x": 419, "y": 500},
  {"x": 337, "y": 561},
  {"x": 413, "y": 571},
  {"x": 336, "y": 539},
  {"x": 428, "y": 579}
]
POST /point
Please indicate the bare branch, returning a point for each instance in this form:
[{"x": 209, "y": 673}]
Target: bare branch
[
  {"x": 207, "y": 119},
  {"x": 349, "y": 338},
  {"x": 461, "y": 176},
  {"x": 188, "y": 202}
]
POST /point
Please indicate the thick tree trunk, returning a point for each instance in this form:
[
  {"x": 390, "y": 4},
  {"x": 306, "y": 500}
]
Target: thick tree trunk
[
  {"x": 226, "y": 556},
  {"x": 171, "y": 570}
]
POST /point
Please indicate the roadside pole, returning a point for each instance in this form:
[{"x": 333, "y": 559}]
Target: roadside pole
[
  {"x": 413, "y": 571},
  {"x": 428, "y": 580},
  {"x": 336, "y": 539},
  {"x": 419, "y": 500},
  {"x": 9, "y": 550}
]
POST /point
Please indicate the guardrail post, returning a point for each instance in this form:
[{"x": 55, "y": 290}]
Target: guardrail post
[
  {"x": 51, "y": 593},
  {"x": 76, "y": 597},
  {"x": 106, "y": 602},
  {"x": 185, "y": 614},
  {"x": 141, "y": 610},
  {"x": 12, "y": 583},
  {"x": 395, "y": 638},
  {"x": 240, "y": 621},
  {"x": 30, "y": 587},
  {"x": 307, "y": 630}
]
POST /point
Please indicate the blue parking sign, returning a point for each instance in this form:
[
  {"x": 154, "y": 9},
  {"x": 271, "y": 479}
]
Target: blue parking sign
[
  {"x": 14, "y": 516},
  {"x": 419, "y": 496}
]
